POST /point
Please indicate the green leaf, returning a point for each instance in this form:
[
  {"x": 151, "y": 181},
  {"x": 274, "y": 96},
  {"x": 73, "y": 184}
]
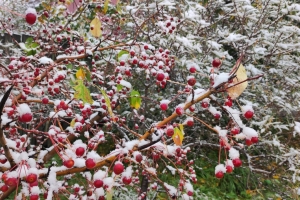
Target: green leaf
[
  {"x": 34, "y": 45},
  {"x": 87, "y": 74},
  {"x": 69, "y": 66},
  {"x": 81, "y": 92},
  {"x": 135, "y": 99},
  {"x": 119, "y": 87},
  {"x": 31, "y": 52},
  {"x": 121, "y": 53},
  {"x": 29, "y": 41}
]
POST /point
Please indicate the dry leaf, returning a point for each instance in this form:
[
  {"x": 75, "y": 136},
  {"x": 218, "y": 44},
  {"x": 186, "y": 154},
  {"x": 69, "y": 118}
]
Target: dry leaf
[
  {"x": 96, "y": 27},
  {"x": 237, "y": 90}
]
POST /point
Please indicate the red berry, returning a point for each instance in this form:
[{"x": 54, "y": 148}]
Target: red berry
[
  {"x": 3, "y": 161},
  {"x": 98, "y": 183},
  {"x": 216, "y": 62},
  {"x": 118, "y": 168},
  {"x": 192, "y": 81},
  {"x": 132, "y": 53},
  {"x": 122, "y": 63},
  {"x": 90, "y": 163},
  {"x": 160, "y": 77},
  {"x": 190, "y": 193},
  {"x": 163, "y": 106},
  {"x": 76, "y": 189},
  {"x": 228, "y": 103},
  {"x": 235, "y": 130},
  {"x": 179, "y": 110},
  {"x": 31, "y": 178},
  {"x": 11, "y": 182},
  {"x": 170, "y": 132},
  {"x": 35, "y": 183},
  {"x": 192, "y": 69},
  {"x": 254, "y": 139},
  {"x": 217, "y": 116},
  {"x": 138, "y": 158},
  {"x": 190, "y": 123},
  {"x": 229, "y": 169},
  {"x": 237, "y": 162},
  {"x": 27, "y": 117},
  {"x": 192, "y": 108},
  {"x": 89, "y": 193},
  {"x": 146, "y": 47},
  {"x": 4, "y": 188},
  {"x": 204, "y": 104},
  {"x": 249, "y": 114},
  {"x": 30, "y": 18},
  {"x": 248, "y": 142},
  {"x": 45, "y": 100},
  {"x": 219, "y": 174},
  {"x": 69, "y": 163},
  {"x": 34, "y": 197},
  {"x": 80, "y": 151},
  {"x": 126, "y": 180}
]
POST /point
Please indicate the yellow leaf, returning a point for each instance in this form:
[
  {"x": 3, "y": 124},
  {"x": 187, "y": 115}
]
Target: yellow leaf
[
  {"x": 107, "y": 102},
  {"x": 72, "y": 123},
  {"x": 96, "y": 27},
  {"x": 178, "y": 135},
  {"x": 105, "y": 7},
  {"x": 80, "y": 74},
  {"x": 241, "y": 76}
]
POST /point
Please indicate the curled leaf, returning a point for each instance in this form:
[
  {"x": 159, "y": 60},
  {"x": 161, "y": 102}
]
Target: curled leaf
[
  {"x": 135, "y": 99},
  {"x": 238, "y": 89},
  {"x": 80, "y": 74},
  {"x": 178, "y": 135}
]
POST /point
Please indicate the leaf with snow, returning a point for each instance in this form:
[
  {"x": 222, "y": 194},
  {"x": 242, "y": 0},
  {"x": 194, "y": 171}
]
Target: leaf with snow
[{"x": 81, "y": 92}]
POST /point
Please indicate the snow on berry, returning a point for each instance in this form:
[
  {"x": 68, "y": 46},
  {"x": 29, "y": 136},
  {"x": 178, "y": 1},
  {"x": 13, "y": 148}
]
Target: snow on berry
[
  {"x": 214, "y": 111},
  {"x": 220, "y": 168},
  {"x": 233, "y": 153},
  {"x": 249, "y": 132},
  {"x": 99, "y": 175},
  {"x": 31, "y": 16},
  {"x": 164, "y": 104}
]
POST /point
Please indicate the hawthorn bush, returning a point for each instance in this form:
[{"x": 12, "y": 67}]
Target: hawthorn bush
[{"x": 106, "y": 96}]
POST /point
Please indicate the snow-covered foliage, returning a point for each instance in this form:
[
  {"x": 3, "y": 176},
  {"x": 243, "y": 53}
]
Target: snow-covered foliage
[{"x": 125, "y": 86}]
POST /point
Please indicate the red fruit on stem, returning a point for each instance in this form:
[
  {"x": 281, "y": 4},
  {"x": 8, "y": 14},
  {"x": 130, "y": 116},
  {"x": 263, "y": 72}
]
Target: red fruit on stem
[
  {"x": 228, "y": 103},
  {"x": 90, "y": 163},
  {"x": 254, "y": 139},
  {"x": 34, "y": 197},
  {"x": 190, "y": 123},
  {"x": 179, "y": 110},
  {"x": 190, "y": 193},
  {"x": 219, "y": 174},
  {"x": 69, "y": 163},
  {"x": 126, "y": 180},
  {"x": 216, "y": 62},
  {"x": 80, "y": 151},
  {"x": 138, "y": 158},
  {"x": 118, "y": 168},
  {"x": 30, "y": 18},
  {"x": 160, "y": 77},
  {"x": 89, "y": 193},
  {"x": 237, "y": 162},
  {"x": 98, "y": 183},
  {"x": 249, "y": 114},
  {"x": 27, "y": 117},
  {"x": 45, "y": 100},
  {"x": 248, "y": 142},
  {"x": 235, "y": 130},
  {"x": 217, "y": 116},
  {"x": 4, "y": 188},
  {"x": 192, "y": 81},
  {"x": 204, "y": 104},
  {"x": 229, "y": 169},
  {"x": 11, "y": 182},
  {"x": 170, "y": 132},
  {"x": 192, "y": 69},
  {"x": 3, "y": 161},
  {"x": 31, "y": 178},
  {"x": 163, "y": 106}
]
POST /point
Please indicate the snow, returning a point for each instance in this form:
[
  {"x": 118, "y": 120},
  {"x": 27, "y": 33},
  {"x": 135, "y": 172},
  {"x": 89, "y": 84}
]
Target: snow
[
  {"x": 172, "y": 169},
  {"x": 221, "y": 78},
  {"x": 220, "y": 168},
  {"x": 171, "y": 189},
  {"x": 31, "y": 10},
  {"x": 229, "y": 163},
  {"x": 45, "y": 60},
  {"x": 128, "y": 172},
  {"x": 249, "y": 132},
  {"x": 99, "y": 175},
  {"x": 222, "y": 133},
  {"x": 125, "y": 83},
  {"x": 23, "y": 109},
  {"x": 233, "y": 153}
]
